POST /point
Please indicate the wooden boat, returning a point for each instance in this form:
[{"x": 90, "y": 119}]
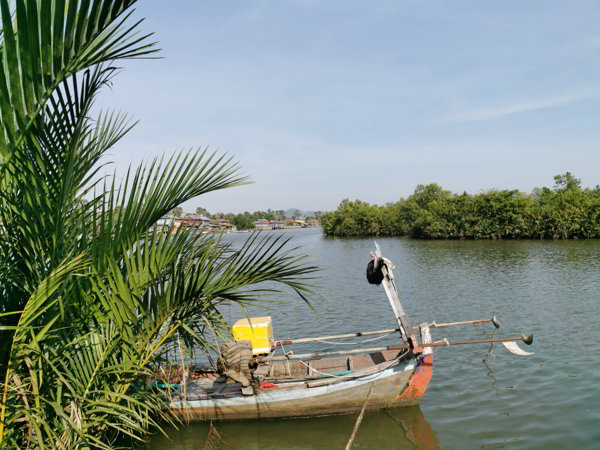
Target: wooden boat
[
  {"x": 323, "y": 383},
  {"x": 297, "y": 388}
]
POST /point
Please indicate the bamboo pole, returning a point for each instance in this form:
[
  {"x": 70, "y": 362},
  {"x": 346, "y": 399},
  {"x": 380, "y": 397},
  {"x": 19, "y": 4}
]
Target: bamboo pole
[
  {"x": 370, "y": 333},
  {"x": 183, "y": 368},
  {"x": 527, "y": 339},
  {"x": 335, "y": 336},
  {"x": 359, "y": 419},
  {"x": 465, "y": 322}
]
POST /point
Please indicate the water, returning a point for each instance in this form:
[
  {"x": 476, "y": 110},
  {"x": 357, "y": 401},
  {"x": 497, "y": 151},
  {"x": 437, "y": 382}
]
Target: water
[{"x": 548, "y": 400}]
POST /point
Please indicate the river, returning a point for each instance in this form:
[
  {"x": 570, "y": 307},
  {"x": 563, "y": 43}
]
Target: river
[{"x": 478, "y": 398}]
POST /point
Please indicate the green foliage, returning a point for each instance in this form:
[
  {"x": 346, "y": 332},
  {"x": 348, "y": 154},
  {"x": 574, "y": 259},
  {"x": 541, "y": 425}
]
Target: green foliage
[
  {"x": 566, "y": 182},
  {"x": 202, "y": 212},
  {"x": 564, "y": 212},
  {"x": 246, "y": 221},
  {"x": 92, "y": 292},
  {"x": 243, "y": 222},
  {"x": 356, "y": 218},
  {"x": 177, "y": 211}
]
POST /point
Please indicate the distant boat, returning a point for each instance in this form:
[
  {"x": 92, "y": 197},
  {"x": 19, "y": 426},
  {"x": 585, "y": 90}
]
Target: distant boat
[{"x": 267, "y": 385}]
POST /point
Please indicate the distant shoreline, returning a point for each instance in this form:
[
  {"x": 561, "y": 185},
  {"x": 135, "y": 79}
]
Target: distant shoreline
[{"x": 565, "y": 211}]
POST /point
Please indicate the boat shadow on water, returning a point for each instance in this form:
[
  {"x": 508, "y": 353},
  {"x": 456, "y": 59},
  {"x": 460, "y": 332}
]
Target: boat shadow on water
[{"x": 400, "y": 428}]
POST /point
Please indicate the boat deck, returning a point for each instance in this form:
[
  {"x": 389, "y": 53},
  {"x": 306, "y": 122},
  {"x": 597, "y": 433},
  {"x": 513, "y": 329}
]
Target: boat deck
[
  {"x": 314, "y": 387},
  {"x": 295, "y": 374}
]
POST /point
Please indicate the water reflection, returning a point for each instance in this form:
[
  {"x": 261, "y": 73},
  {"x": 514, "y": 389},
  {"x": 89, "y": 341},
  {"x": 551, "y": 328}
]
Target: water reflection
[
  {"x": 494, "y": 383},
  {"x": 403, "y": 428}
]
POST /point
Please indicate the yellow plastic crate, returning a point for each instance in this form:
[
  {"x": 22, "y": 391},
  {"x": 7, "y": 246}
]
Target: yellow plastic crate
[{"x": 260, "y": 333}]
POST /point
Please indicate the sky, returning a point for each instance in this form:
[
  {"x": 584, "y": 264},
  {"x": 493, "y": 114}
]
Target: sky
[{"x": 322, "y": 100}]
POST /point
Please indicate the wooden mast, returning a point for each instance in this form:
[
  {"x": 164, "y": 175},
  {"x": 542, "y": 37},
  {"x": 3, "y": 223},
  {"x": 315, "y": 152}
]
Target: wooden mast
[{"x": 392, "y": 293}]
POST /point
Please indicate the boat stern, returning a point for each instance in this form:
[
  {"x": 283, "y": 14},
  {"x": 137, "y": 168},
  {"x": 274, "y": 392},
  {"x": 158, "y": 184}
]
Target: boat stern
[{"x": 419, "y": 381}]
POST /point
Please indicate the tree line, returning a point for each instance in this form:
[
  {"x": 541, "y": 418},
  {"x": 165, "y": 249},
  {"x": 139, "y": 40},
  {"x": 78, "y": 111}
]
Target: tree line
[
  {"x": 247, "y": 220},
  {"x": 242, "y": 221},
  {"x": 565, "y": 211}
]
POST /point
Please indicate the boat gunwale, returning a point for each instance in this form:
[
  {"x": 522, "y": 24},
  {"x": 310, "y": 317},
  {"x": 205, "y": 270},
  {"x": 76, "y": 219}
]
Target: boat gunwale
[{"x": 315, "y": 392}]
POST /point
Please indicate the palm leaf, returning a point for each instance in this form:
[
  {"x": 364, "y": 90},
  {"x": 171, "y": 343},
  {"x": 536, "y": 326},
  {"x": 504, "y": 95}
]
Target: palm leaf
[
  {"x": 28, "y": 328},
  {"x": 81, "y": 348},
  {"x": 72, "y": 37}
]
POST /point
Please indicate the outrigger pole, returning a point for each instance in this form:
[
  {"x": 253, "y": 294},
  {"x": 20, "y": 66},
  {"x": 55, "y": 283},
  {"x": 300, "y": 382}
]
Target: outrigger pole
[
  {"x": 494, "y": 320},
  {"x": 527, "y": 339},
  {"x": 370, "y": 333},
  {"x": 385, "y": 266}
]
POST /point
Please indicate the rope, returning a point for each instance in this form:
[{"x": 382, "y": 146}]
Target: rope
[
  {"x": 320, "y": 373},
  {"x": 491, "y": 346},
  {"x": 287, "y": 362},
  {"x": 324, "y": 341},
  {"x": 389, "y": 364},
  {"x": 288, "y": 354}
]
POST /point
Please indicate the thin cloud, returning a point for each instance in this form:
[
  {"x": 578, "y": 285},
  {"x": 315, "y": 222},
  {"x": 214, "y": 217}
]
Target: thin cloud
[{"x": 517, "y": 108}]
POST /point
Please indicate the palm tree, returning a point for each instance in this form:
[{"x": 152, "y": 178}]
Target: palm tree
[{"x": 92, "y": 291}]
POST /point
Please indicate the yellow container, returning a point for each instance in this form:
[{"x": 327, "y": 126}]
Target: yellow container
[{"x": 260, "y": 333}]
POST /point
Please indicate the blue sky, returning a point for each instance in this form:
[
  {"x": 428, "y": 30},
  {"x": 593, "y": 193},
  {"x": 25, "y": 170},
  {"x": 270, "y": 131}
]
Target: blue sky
[{"x": 325, "y": 100}]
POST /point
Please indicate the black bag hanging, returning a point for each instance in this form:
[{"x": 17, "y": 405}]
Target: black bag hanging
[{"x": 374, "y": 272}]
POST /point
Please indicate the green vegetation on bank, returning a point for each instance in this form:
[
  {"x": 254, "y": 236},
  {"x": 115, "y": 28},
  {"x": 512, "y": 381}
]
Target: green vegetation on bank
[
  {"x": 565, "y": 211},
  {"x": 247, "y": 220}
]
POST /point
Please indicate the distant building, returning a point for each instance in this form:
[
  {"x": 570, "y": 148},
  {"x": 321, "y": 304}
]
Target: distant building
[
  {"x": 262, "y": 224},
  {"x": 222, "y": 225},
  {"x": 165, "y": 222},
  {"x": 194, "y": 220}
]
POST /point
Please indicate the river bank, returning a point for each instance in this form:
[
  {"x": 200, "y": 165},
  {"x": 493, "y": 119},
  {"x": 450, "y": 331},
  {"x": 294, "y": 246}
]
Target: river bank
[{"x": 566, "y": 211}]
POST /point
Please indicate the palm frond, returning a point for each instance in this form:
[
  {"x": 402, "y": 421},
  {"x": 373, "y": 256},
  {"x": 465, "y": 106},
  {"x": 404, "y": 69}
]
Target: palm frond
[
  {"x": 31, "y": 330},
  {"x": 95, "y": 292},
  {"x": 151, "y": 192},
  {"x": 48, "y": 41}
]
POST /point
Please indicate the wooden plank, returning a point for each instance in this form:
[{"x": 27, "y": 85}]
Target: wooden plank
[
  {"x": 356, "y": 374},
  {"x": 261, "y": 372}
]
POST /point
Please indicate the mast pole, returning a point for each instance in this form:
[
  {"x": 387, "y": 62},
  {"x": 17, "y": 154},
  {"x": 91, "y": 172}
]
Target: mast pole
[{"x": 391, "y": 291}]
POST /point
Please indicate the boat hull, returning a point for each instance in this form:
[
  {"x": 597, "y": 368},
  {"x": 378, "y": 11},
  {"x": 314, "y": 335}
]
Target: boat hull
[{"x": 401, "y": 385}]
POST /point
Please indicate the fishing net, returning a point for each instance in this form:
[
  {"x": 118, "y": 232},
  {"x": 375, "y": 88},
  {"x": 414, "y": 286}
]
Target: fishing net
[{"x": 235, "y": 359}]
